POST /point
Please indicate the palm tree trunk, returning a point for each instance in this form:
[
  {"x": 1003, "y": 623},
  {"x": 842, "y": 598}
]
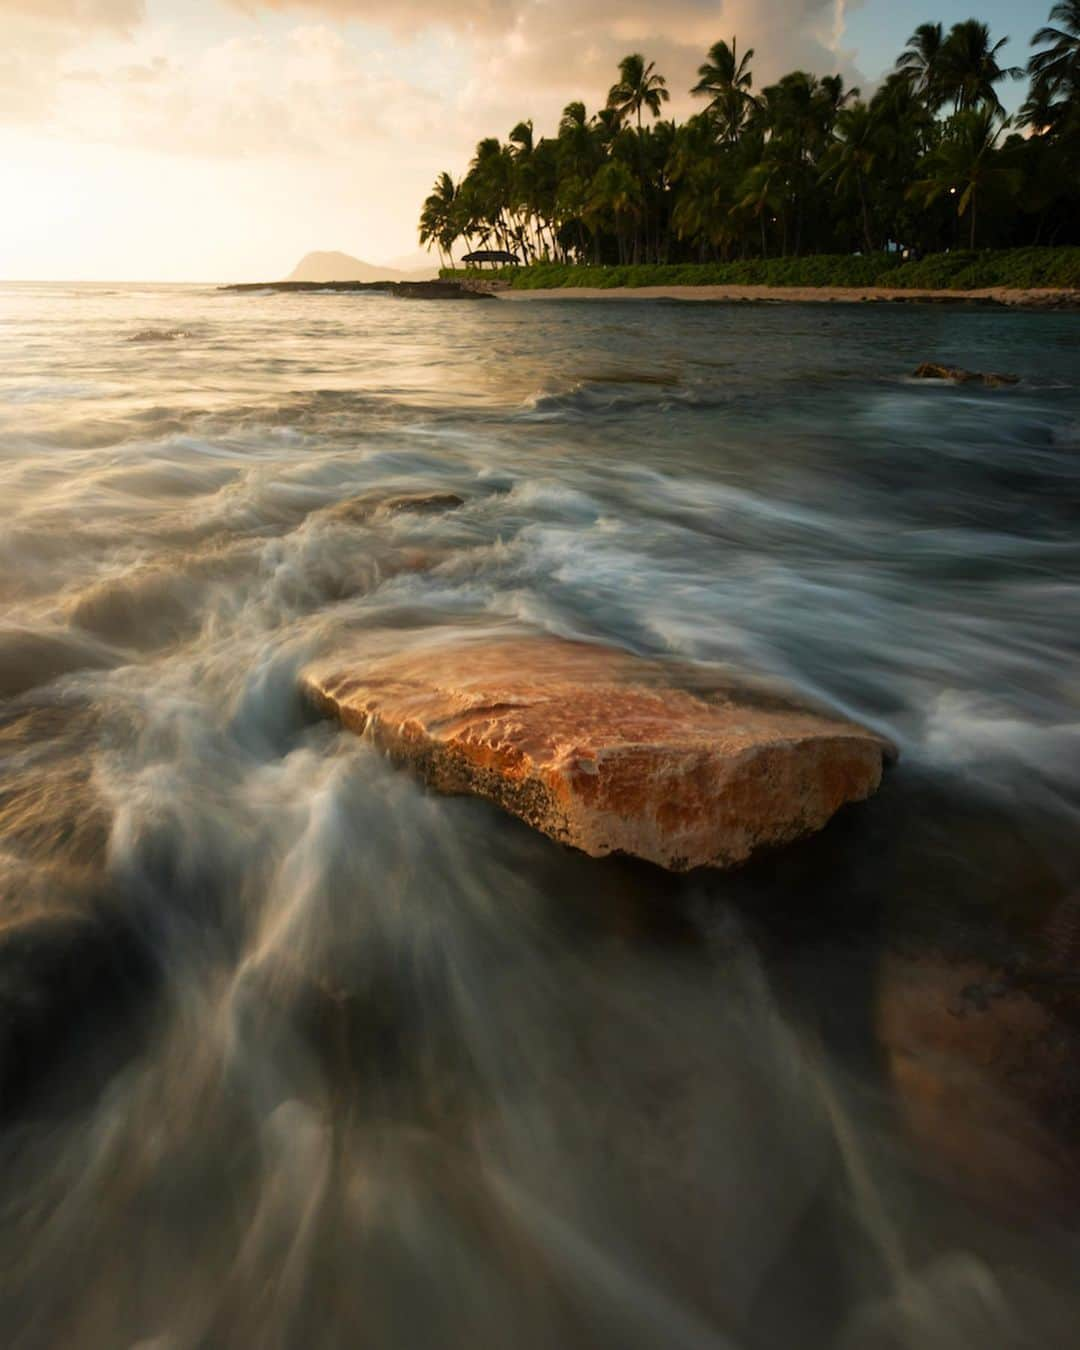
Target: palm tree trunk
[
  {"x": 644, "y": 227},
  {"x": 974, "y": 197}
]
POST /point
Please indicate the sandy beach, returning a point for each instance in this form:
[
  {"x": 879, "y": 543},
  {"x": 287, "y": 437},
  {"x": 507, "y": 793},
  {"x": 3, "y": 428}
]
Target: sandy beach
[{"x": 1040, "y": 298}]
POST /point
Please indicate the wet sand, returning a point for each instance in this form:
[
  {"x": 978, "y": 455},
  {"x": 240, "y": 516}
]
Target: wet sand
[{"x": 1030, "y": 298}]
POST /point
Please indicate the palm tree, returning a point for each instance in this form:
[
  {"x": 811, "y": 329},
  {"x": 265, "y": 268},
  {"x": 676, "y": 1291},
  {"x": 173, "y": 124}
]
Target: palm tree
[
  {"x": 579, "y": 153},
  {"x": 969, "y": 67},
  {"x": 1058, "y": 66},
  {"x": 639, "y": 87},
  {"x": 853, "y": 156},
  {"x": 571, "y": 198},
  {"x": 488, "y": 191},
  {"x": 521, "y": 148},
  {"x": 796, "y": 112},
  {"x": 967, "y": 165},
  {"x": 804, "y": 160},
  {"x": 704, "y": 209},
  {"x": 543, "y": 192},
  {"x": 906, "y": 132},
  {"x": 725, "y": 80},
  {"x": 579, "y": 149},
  {"x": 615, "y": 195},
  {"x": 439, "y": 217},
  {"x": 1040, "y": 110},
  {"x": 920, "y": 63},
  {"x": 522, "y": 140},
  {"x": 761, "y": 195},
  {"x": 832, "y": 98}
]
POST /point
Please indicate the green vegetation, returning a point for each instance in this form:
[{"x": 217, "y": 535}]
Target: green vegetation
[
  {"x": 967, "y": 271},
  {"x": 962, "y": 270},
  {"x": 804, "y": 172}
]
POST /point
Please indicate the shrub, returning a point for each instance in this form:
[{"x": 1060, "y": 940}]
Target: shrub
[{"x": 961, "y": 271}]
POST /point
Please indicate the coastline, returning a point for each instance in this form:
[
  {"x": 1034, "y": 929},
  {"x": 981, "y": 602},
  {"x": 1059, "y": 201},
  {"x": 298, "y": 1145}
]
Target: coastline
[
  {"x": 1034, "y": 298},
  {"x": 477, "y": 288}
]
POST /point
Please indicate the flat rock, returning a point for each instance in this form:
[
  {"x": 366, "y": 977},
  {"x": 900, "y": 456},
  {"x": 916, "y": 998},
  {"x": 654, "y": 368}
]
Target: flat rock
[{"x": 603, "y": 750}]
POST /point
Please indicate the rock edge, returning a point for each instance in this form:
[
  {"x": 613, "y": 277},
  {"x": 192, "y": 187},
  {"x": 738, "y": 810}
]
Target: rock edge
[{"x": 605, "y": 751}]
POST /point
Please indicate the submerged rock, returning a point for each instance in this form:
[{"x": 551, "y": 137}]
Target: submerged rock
[
  {"x": 605, "y": 751},
  {"x": 423, "y": 502},
  {"x": 993, "y": 380},
  {"x": 986, "y": 1072},
  {"x": 377, "y": 503},
  {"x": 69, "y": 986}
]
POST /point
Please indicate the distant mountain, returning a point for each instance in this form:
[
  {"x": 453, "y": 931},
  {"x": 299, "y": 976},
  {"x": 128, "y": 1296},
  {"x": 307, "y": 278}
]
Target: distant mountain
[
  {"x": 342, "y": 267},
  {"x": 417, "y": 261}
]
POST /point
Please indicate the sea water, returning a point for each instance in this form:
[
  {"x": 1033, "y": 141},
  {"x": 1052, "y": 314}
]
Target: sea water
[{"x": 295, "y": 1053}]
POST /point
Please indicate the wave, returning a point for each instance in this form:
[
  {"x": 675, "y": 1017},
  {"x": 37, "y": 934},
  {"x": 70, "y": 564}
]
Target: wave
[
  {"x": 52, "y": 391},
  {"x": 31, "y": 657},
  {"x": 149, "y": 335},
  {"x": 294, "y": 1046}
]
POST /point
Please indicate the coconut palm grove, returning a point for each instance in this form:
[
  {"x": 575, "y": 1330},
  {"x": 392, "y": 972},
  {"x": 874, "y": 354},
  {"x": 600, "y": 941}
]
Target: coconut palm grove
[{"x": 929, "y": 164}]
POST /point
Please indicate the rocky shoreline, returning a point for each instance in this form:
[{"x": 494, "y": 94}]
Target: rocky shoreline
[{"x": 408, "y": 290}]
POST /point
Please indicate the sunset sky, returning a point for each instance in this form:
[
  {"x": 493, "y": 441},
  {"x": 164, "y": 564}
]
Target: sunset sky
[{"x": 211, "y": 140}]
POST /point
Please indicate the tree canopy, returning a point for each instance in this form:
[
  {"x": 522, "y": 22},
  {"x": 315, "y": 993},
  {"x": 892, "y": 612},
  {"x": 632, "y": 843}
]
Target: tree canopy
[{"x": 928, "y": 161}]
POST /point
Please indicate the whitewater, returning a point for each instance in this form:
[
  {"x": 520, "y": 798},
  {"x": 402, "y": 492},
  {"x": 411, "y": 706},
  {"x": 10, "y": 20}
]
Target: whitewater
[{"x": 294, "y": 1052}]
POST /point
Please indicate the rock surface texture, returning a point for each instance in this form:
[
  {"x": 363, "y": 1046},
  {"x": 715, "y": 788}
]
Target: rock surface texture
[
  {"x": 992, "y": 379},
  {"x": 604, "y": 751}
]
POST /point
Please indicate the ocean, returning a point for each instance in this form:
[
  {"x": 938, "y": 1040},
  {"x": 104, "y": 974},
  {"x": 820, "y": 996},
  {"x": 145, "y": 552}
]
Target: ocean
[{"x": 294, "y": 1052}]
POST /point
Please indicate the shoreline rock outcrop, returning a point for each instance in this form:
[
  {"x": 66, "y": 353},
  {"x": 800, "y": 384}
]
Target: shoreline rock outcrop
[
  {"x": 408, "y": 290},
  {"x": 605, "y": 751}
]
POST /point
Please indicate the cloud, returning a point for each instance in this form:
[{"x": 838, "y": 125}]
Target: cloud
[
  {"x": 529, "y": 57},
  {"x": 39, "y": 35},
  {"x": 80, "y": 15},
  {"x": 307, "y": 93},
  {"x": 386, "y": 101},
  {"x": 551, "y": 51},
  {"x": 514, "y": 60}
]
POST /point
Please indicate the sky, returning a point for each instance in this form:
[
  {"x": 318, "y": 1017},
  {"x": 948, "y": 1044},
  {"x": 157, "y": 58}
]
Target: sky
[{"x": 220, "y": 140}]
